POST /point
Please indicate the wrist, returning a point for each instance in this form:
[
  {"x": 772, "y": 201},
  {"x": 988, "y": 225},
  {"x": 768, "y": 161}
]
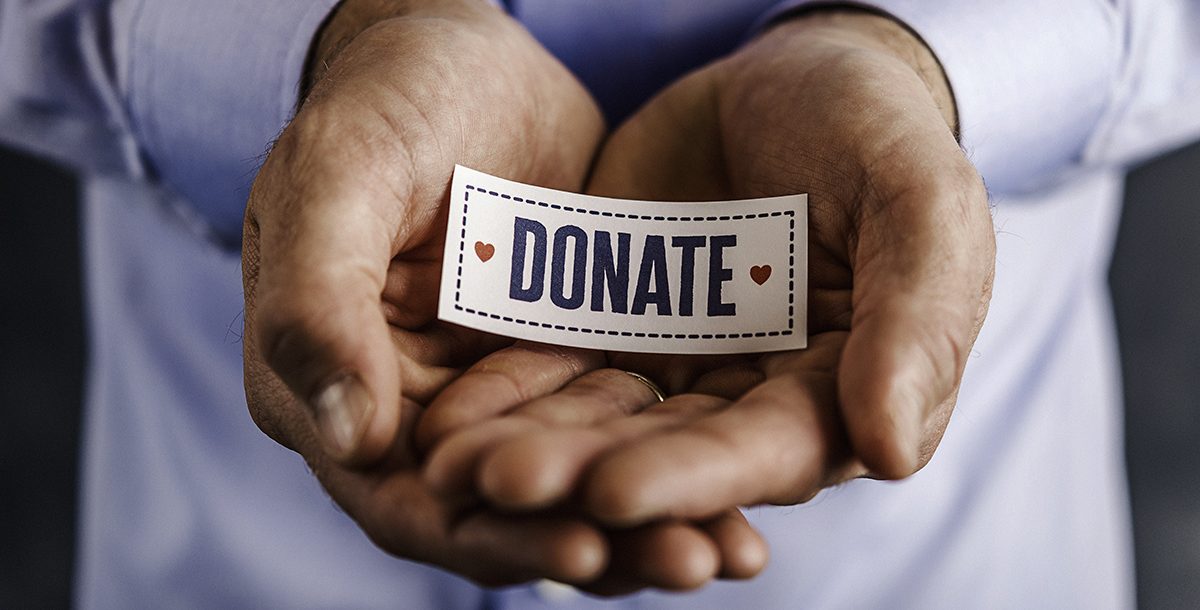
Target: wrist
[
  {"x": 863, "y": 29},
  {"x": 353, "y": 17}
]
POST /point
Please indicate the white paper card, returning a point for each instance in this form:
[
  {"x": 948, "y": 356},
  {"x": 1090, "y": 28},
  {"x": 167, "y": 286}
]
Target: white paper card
[{"x": 637, "y": 276}]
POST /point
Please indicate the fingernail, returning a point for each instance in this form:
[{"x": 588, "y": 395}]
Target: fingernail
[
  {"x": 900, "y": 428},
  {"x": 912, "y": 447},
  {"x": 911, "y": 433},
  {"x": 340, "y": 409}
]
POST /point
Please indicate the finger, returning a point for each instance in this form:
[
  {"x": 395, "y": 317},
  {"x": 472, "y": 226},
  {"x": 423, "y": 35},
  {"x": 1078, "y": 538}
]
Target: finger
[
  {"x": 538, "y": 470},
  {"x": 774, "y": 445},
  {"x": 401, "y": 516},
  {"x": 743, "y": 551},
  {"x": 501, "y": 381},
  {"x": 324, "y": 241},
  {"x": 651, "y": 556},
  {"x": 592, "y": 398},
  {"x": 451, "y": 467},
  {"x": 534, "y": 471},
  {"x": 447, "y": 345},
  {"x": 675, "y": 556},
  {"x": 406, "y": 289},
  {"x": 562, "y": 549},
  {"x": 432, "y": 358},
  {"x": 923, "y": 267}
]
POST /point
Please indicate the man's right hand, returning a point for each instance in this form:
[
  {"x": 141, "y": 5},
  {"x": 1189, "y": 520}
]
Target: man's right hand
[
  {"x": 345, "y": 225},
  {"x": 342, "y": 256},
  {"x": 341, "y": 260}
]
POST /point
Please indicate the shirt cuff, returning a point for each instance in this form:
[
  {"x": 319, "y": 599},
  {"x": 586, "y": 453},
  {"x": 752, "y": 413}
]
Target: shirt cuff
[
  {"x": 207, "y": 86},
  {"x": 1031, "y": 80}
]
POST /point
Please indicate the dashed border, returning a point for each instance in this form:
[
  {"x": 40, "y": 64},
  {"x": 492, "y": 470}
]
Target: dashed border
[{"x": 791, "y": 214}]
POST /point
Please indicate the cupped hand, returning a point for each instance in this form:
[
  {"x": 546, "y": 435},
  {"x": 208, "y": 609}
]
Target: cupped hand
[
  {"x": 519, "y": 399},
  {"x": 852, "y": 109},
  {"x": 341, "y": 259}
]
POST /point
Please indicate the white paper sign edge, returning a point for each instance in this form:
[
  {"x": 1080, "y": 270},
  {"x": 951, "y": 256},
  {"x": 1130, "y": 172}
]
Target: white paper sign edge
[{"x": 552, "y": 323}]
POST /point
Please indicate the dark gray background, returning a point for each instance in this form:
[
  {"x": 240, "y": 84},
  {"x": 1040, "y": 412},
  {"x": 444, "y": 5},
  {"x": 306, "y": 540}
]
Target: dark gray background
[
  {"x": 1155, "y": 279},
  {"x": 1156, "y": 285}
]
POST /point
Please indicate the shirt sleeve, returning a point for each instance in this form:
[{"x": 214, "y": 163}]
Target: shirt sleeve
[
  {"x": 1047, "y": 88},
  {"x": 189, "y": 94},
  {"x": 207, "y": 86}
]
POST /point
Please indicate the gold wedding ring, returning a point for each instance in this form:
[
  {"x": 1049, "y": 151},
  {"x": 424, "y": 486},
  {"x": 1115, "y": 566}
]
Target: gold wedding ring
[{"x": 658, "y": 393}]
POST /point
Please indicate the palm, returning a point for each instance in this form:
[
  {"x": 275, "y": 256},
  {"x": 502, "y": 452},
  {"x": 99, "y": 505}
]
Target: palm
[
  {"x": 899, "y": 268},
  {"x": 342, "y": 245}
]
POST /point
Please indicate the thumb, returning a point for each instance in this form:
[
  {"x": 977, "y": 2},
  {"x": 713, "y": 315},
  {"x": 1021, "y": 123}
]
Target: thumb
[
  {"x": 323, "y": 246},
  {"x": 922, "y": 280}
]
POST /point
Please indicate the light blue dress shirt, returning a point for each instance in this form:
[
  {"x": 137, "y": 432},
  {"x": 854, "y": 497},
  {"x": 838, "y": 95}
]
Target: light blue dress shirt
[{"x": 167, "y": 106}]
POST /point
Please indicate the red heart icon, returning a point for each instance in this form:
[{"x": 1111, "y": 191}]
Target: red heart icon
[
  {"x": 486, "y": 251},
  {"x": 760, "y": 274}
]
